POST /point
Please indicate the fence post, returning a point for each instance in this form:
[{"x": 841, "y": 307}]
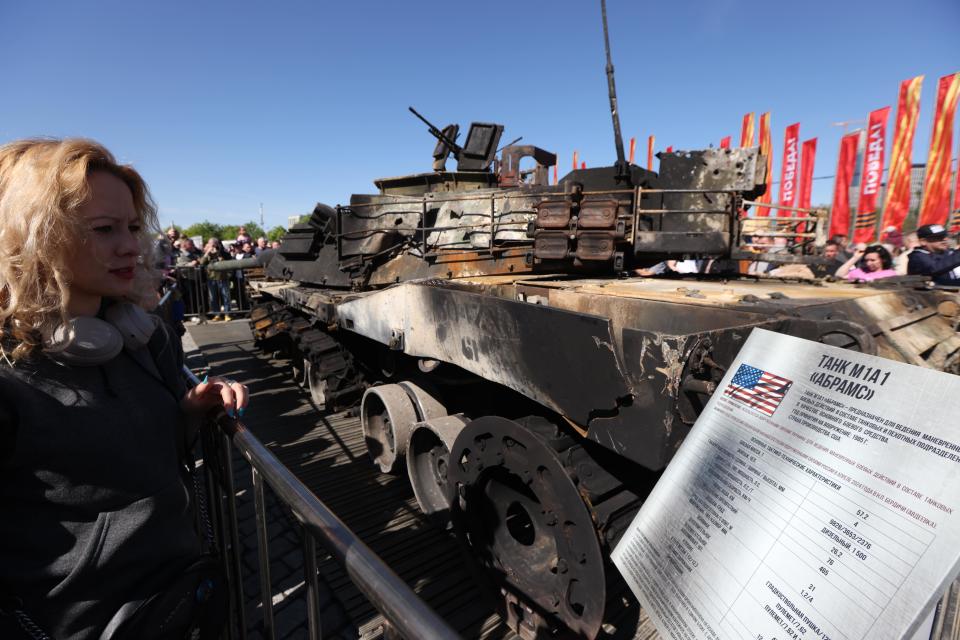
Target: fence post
[
  {"x": 266, "y": 590},
  {"x": 310, "y": 580},
  {"x": 234, "y": 573}
]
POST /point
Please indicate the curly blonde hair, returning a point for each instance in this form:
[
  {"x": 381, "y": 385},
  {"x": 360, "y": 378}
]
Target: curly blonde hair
[{"x": 43, "y": 183}]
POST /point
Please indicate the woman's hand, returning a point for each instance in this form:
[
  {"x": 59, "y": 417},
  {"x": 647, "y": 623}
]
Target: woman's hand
[
  {"x": 216, "y": 392},
  {"x": 845, "y": 268}
]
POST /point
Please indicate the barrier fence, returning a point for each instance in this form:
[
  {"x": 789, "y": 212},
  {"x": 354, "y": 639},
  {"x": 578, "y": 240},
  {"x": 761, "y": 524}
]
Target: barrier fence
[
  {"x": 211, "y": 298},
  {"x": 403, "y": 609}
]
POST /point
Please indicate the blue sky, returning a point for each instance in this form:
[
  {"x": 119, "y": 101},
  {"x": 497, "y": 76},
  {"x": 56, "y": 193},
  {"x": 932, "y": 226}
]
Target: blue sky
[{"x": 223, "y": 106}]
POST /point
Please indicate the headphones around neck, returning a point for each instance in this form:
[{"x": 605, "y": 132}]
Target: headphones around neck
[{"x": 88, "y": 341}]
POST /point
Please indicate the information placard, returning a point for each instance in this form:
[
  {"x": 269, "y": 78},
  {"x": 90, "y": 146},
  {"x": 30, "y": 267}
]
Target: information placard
[{"x": 817, "y": 497}]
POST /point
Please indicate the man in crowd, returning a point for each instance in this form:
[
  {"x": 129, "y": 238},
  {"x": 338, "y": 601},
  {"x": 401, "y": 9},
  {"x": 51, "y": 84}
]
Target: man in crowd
[
  {"x": 910, "y": 242},
  {"x": 831, "y": 251},
  {"x": 842, "y": 241},
  {"x": 275, "y": 244},
  {"x": 934, "y": 258},
  {"x": 189, "y": 275},
  {"x": 189, "y": 254},
  {"x": 261, "y": 244},
  {"x": 244, "y": 252}
]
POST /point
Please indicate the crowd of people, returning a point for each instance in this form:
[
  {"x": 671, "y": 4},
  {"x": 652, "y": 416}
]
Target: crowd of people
[
  {"x": 191, "y": 267},
  {"x": 928, "y": 252}
]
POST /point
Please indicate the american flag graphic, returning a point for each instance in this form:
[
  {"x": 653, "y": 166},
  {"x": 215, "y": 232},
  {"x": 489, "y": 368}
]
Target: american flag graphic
[{"x": 757, "y": 389}]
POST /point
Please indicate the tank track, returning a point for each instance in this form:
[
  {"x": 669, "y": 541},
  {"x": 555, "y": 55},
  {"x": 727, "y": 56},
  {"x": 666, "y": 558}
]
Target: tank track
[{"x": 319, "y": 362}]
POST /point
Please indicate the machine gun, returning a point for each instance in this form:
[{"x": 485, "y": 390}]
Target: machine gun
[
  {"x": 476, "y": 154},
  {"x": 446, "y": 141}
]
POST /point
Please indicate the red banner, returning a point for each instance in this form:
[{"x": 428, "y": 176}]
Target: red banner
[
  {"x": 935, "y": 205},
  {"x": 633, "y": 149},
  {"x": 789, "y": 169},
  {"x": 805, "y": 185},
  {"x": 896, "y": 202},
  {"x": 650, "y": 142},
  {"x": 954, "y": 226},
  {"x": 746, "y": 131},
  {"x": 670, "y": 149},
  {"x": 766, "y": 151},
  {"x": 871, "y": 178},
  {"x": 840, "y": 210},
  {"x": 808, "y": 155},
  {"x": 574, "y": 160},
  {"x": 725, "y": 142}
]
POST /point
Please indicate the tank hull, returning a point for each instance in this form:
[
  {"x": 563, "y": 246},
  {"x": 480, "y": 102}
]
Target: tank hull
[{"x": 626, "y": 363}]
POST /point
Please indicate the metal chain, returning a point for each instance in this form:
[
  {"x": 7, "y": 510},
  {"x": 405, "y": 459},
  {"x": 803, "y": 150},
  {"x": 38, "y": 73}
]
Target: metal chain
[
  {"x": 201, "y": 496},
  {"x": 29, "y": 626}
]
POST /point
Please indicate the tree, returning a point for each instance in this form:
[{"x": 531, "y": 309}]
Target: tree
[
  {"x": 205, "y": 230},
  {"x": 231, "y": 231},
  {"x": 254, "y": 230},
  {"x": 276, "y": 233}
]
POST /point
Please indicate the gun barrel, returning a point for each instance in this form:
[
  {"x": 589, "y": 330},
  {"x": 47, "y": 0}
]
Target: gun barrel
[
  {"x": 425, "y": 121},
  {"x": 623, "y": 171},
  {"x": 437, "y": 133},
  {"x": 241, "y": 264}
]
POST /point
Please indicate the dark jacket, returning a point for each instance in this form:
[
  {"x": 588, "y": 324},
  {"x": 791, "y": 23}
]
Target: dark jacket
[
  {"x": 209, "y": 258},
  {"x": 940, "y": 266},
  {"x": 185, "y": 258},
  {"x": 94, "y": 506}
]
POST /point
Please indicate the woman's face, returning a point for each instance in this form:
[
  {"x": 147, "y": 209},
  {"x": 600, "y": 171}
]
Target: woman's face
[
  {"x": 873, "y": 262},
  {"x": 104, "y": 261}
]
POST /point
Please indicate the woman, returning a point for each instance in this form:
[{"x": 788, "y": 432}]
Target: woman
[
  {"x": 95, "y": 514},
  {"x": 873, "y": 263},
  {"x": 218, "y": 282},
  {"x": 242, "y": 236}
]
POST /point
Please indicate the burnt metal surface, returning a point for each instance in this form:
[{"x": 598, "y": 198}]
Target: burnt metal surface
[
  {"x": 459, "y": 264},
  {"x": 612, "y": 218},
  {"x": 480, "y": 147},
  {"x": 539, "y": 351},
  {"x": 323, "y": 271},
  {"x": 616, "y": 357},
  {"x": 511, "y": 175},
  {"x": 701, "y": 219},
  {"x": 428, "y": 464},
  {"x": 525, "y": 524}
]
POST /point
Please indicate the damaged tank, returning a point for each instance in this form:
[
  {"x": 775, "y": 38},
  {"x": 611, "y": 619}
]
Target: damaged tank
[{"x": 507, "y": 356}]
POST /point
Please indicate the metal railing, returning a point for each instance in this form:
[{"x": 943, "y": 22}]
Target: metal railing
[
  {"x": 803, "y": 226},
  {"x": 403, "y": 609}
]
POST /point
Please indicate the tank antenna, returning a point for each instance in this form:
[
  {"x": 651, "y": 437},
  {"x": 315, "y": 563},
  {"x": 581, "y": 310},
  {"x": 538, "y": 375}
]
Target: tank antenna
[{"x": 623, "y": 170}]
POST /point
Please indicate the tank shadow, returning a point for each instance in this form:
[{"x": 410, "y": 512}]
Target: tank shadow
[{"x": 327, "y": 452}]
